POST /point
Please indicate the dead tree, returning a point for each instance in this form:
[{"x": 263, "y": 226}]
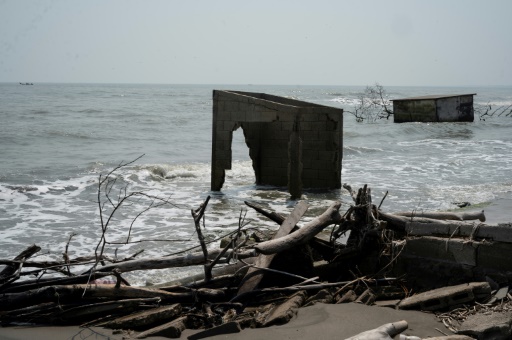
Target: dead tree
[
  {"x": 12, "y": 271},
  {"x": 488, "y": 111},
  {"x": 372, "y": 104},
  {"x": 111, "y": 199}
]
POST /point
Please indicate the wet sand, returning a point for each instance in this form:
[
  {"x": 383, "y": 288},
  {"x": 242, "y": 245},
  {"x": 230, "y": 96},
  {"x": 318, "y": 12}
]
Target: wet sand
[
  {"x": 316, "y": 322},
  {"x": 499, "y": 210},
  {"x": 322, "y": 321}
]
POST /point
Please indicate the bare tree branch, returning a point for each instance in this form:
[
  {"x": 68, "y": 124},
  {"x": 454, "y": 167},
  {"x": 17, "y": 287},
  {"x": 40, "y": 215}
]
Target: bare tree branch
[
  {"x": 373, "y": 104},
  {"x": 487, "y": 111},
  {"x": 198, "y": 215}
]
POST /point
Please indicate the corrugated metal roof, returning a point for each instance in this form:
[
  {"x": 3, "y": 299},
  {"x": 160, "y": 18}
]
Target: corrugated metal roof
[{"x": 435, "y": 96}]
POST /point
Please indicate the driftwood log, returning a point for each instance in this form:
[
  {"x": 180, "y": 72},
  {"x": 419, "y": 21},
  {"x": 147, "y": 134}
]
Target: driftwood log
[
  {"x": 406, "y": 224},
  {"x": 170, "y": 329},
  {"x": 304, "y": 234},
  {"x": 455, "y": 216},
  {"x": 39, "y": 283},
  {"x": 193, "y": 259},
  {"x": 253, "y": 276},
  {"x": 144, "y": 318},
  {"x": 98, "y": 310},
  {"x": 12, "y": 271},
  {"x": 10, "y": 301},
  {"x": 384, "y": 332}
]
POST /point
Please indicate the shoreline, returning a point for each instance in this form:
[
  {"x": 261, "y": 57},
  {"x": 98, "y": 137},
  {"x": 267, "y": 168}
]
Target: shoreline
[
  {"x": 497, "y": 211},
  {"x": 320, "y": 321}
]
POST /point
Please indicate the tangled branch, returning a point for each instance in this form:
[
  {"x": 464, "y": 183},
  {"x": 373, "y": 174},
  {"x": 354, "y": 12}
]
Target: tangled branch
[
  {"x": 373, "y": 104},
  {"x": 488, "y": 111}
]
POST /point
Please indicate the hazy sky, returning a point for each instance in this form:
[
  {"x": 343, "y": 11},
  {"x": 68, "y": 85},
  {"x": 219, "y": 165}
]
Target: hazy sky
[{"x": 407, "y": 42}]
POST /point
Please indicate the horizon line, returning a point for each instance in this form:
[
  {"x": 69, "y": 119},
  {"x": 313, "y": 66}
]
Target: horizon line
[{"x": 241, "y": 84}]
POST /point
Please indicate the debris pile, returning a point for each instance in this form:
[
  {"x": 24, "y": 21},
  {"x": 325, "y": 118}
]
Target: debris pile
[{"x": 441, "y": 262}]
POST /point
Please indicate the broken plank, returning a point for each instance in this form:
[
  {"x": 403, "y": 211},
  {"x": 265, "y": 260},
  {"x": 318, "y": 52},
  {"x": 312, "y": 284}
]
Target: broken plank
[
  {"x": 144, "y": 318},
  {"x": 253, "y": 278},
  {"x": 171, "y": 329},
  {"x": 226, "y": 328},
  {"x": 93, "y": 311},
  {"x": 304, "y": 234},
  {"x": 286, "y": 310}
]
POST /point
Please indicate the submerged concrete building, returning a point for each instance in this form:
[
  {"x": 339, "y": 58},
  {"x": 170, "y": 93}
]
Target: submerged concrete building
[
  {"x": 291, "y": 143},
  {"x": 434, "y": 108}
]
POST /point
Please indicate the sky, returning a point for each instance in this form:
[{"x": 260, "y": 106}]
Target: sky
[{"x": 281, "y": 42}]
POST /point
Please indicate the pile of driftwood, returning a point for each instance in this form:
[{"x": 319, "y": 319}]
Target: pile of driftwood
[{"x": 255, "y": 279}]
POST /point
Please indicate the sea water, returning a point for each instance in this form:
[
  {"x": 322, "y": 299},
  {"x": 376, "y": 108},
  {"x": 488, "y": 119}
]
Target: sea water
[{"x": 56, "y": 140}]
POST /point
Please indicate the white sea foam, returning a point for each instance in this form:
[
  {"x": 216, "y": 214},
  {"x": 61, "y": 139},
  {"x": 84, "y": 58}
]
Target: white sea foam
[{"x": 345, "y": 101}]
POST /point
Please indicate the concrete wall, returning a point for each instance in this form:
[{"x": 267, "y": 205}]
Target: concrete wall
[
  {"x": 457, "y": 108},
  {"x": 291, "y": 143},
  {"x": 431, "y": 261},
  {"x": 415, "y": 111}
]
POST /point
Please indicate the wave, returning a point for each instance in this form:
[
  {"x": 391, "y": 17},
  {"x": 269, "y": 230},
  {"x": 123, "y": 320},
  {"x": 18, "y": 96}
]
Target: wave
[
  {"x": 352, "y": 150},
  {"x": 352, "y": 133},
  {"x": 495, "y": 103},
  {"x": 21, "y": 188},
  {"x": 169, "y": 171},
  {"x": 346, "y": 101},
  {"x": 415, "y": 128},
  {"x": 57, "y": 187},
  {"x": 90, "y": 111},
  {"x": 39, "y": 112},
  {"x": 68, "y": 134}
]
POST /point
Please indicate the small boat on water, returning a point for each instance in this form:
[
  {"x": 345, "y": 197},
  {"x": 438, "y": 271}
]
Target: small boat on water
[{"x": 26, "y": 83}]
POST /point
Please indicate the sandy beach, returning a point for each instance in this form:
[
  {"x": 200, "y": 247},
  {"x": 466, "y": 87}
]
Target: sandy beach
[{"x": 320, "y": 321}]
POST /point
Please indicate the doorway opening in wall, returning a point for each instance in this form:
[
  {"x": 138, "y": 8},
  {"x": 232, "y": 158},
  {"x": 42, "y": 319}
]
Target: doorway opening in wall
[{"x": 241, "y": 171}]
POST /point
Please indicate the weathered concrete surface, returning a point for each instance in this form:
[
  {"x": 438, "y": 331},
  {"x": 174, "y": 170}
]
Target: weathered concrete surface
[
  {"x": 414, "y": 111},
  {"x": 291, "y": 143},
  {"x": 501, "y": 233},
  {"x": 430, "y": 261},
  {"x": 496, "y": 326},
  {"x": 441, "y": 108},
  {"x": 451, "y": 250},
  {"x": 446, "y": 297}
]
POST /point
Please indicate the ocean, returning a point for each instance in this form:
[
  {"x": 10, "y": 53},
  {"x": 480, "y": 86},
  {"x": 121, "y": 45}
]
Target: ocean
[{"x": 57, "y": 139}]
